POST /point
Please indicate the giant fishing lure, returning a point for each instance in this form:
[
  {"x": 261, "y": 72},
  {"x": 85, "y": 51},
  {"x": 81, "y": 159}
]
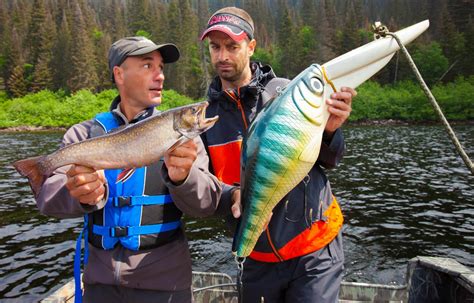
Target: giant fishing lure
[{"x": 284, "y": 140}]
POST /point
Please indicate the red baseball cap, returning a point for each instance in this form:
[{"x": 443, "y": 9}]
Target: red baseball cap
[{"x": 234, "y": 26}]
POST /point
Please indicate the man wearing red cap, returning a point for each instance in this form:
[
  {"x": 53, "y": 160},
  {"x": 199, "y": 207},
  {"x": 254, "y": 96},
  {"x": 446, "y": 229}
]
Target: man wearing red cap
[{"x": 238, "y": 92}]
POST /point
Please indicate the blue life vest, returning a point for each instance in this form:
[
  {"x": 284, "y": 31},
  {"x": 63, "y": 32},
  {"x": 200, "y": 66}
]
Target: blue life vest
[{"x": 138, "y": 214}]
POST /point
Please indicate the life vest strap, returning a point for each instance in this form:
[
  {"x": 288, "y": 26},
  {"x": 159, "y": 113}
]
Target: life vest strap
[
  {"x": 125, "y": 231},
  {"x": 141, "y": 200}
]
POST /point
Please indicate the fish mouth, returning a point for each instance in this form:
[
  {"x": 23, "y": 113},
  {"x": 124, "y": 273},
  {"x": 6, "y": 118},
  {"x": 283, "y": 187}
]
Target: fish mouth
[{"x": 205, "y": 123}]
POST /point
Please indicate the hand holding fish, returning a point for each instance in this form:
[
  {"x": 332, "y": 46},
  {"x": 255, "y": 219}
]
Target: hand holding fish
[
  {"x": 86, "y": 184},
  {"x": 180, "y": 160},
  {"x": 340, "y": 107},
  {"x": 236, "y": 207}
]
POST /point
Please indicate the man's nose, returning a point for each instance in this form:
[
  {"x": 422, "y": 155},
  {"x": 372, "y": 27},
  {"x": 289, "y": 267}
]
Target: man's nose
[
  {"x": 223, "y": 54},
  {"x": 159, "y": 76}
]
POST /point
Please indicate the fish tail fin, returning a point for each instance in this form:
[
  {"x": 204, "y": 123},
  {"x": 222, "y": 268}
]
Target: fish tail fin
[{"x": 31, "y": 169}]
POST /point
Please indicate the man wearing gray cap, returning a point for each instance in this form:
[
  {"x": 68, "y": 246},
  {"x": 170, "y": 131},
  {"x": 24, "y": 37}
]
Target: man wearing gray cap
[{"x": 151, "y": 267}]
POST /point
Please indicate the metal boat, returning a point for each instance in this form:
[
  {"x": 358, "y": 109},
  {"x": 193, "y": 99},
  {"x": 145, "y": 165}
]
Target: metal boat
[{"x": 428, "y": 279}]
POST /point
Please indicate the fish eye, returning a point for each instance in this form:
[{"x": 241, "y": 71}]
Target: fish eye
[{"x": 317, "y": 86}]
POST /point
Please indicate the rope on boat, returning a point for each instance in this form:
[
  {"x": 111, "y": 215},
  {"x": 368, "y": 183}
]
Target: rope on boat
[{"x": 381, "y": 30}]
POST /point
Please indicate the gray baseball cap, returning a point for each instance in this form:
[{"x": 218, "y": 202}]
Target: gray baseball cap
[{"x": 135, "y": 46}]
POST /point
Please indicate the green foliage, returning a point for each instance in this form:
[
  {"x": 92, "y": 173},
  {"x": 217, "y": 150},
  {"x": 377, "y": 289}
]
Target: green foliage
[
  {"x": 173, "y": 99},
  {"x": 407, "y": 101},
  {"x": 143, "y": 33},
  {"x": 48, "y": 109},
  {"x": 97, "y": 34},
  {"x": 430, "y": 61}
]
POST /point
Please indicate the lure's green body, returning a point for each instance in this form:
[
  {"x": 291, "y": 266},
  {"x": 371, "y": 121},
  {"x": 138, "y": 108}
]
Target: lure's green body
[{"x": 282, "y": 146}]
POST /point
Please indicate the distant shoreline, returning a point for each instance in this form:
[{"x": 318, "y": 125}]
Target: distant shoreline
[{"x": 385, "y": 122}]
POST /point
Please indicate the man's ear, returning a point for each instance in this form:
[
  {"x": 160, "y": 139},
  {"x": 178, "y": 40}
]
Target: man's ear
[
  {"x": 118, "y": 74},
  {"x": 251, "y": 45}
]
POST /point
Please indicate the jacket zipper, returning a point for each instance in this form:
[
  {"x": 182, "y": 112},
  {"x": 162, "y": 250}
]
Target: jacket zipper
[
  {"x": 236, "y": 99},
  {"x": 275, "y": 251}
]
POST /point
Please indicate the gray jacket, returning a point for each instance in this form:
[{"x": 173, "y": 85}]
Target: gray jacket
[{"x": 167, "y": 267}]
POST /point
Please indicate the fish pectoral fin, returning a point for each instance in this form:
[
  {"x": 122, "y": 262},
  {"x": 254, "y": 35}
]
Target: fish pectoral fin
[
  {"x": 180, "y": 141},
  {"x": 311, "y": 152},
  {"x": 125, "y": 175}
]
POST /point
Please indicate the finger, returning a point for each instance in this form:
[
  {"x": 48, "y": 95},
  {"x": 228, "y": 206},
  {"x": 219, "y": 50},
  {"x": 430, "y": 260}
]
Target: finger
[
  {"x": 236, "y": 210},
  {"x": 78, "y": 169},
  {"x": 338, "y": 105},
  {"x": 339, "y": 112},
  {"x": 350, "y": 90},
  {"x": 178, "y": 162},
  {"x": 189, "y": 144},
  {"x": 183, "y": 152},
  {"x": 345, "y": 97},
  {"x": 89, "y": 193}
]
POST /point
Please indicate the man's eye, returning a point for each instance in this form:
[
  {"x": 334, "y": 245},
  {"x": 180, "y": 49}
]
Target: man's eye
[{"x": 147, "y": 65}]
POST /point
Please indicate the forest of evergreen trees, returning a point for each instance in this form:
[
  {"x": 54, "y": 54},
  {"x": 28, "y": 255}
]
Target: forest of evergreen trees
[{"x": 63, "y": 44}]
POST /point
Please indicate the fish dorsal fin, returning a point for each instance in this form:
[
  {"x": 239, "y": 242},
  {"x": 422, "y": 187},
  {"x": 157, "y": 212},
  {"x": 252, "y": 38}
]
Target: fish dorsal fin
[{"x": 311, "y": 152}]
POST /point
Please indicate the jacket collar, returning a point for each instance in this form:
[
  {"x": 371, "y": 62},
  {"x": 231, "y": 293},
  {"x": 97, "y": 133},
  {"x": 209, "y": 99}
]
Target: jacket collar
[
  {"x": 261, "y": 75},
  {"x": 115, "y": 109}
]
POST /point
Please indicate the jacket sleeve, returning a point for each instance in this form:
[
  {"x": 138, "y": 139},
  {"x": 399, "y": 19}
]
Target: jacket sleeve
[
  {"x": 200, "y": 192},
  {"x": 54, "y": 198},
  {"x": 332, "y": 150}
]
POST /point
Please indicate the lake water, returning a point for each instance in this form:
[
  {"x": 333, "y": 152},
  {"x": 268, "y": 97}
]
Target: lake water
[{"x": 404, "y": 192}]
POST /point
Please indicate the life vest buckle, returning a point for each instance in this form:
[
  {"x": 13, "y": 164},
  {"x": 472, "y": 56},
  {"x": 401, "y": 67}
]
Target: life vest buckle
[
  {"x": 122, "y": 201},
  {"x": 119, "y": 231}
]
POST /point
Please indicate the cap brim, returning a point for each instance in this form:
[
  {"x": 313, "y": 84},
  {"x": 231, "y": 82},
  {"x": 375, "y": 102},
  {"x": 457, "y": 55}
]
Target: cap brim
[
  {"x": 233, "y": 32},
  {"x": 169, "y": 52}
]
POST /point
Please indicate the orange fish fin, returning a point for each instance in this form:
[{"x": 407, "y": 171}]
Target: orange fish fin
[
  {"x": 125, "y": 175},
  {"x": 29, "y": 168}
]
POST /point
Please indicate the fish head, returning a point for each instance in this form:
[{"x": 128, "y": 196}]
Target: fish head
[
  {"x": 191, "y": 120},
  {"x": 308, "y": 91}
]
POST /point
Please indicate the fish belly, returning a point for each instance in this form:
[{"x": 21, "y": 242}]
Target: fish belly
[{"x": 273, "y": 168}]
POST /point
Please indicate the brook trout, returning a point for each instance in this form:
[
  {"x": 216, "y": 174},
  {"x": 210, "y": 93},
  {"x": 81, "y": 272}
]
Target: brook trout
[
  {"x": 138, "y": 145},
  {"x": 284, "y": 140}
]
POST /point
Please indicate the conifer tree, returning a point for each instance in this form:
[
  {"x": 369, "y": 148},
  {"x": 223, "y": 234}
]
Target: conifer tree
[
  {"x": 17, "y": 85},
  {"x": 327, "y": 33},
  {"x": 102, "y": 44},
  {"x": 171, "y": 70},
  {"x": 83, "y": 73},
  {"x": 137, "y": 15},
  {"x": 202, "y": 19},
  {"x": 37, "y": 23},
  {"x": 451, "y": 40},
  {"x": 285, "y": 43},
  {"x": 62, "y": 54},
  {"x": 42, "y": 74}
]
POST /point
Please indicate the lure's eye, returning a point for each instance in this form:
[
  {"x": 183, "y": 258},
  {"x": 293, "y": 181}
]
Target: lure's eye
[{"x": 317, "y": 86}]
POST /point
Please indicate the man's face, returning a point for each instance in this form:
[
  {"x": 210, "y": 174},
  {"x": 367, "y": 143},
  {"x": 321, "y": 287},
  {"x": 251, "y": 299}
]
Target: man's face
[
  {"x": 140, "y": 80},
  {"x": 229, "y": 57}
]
